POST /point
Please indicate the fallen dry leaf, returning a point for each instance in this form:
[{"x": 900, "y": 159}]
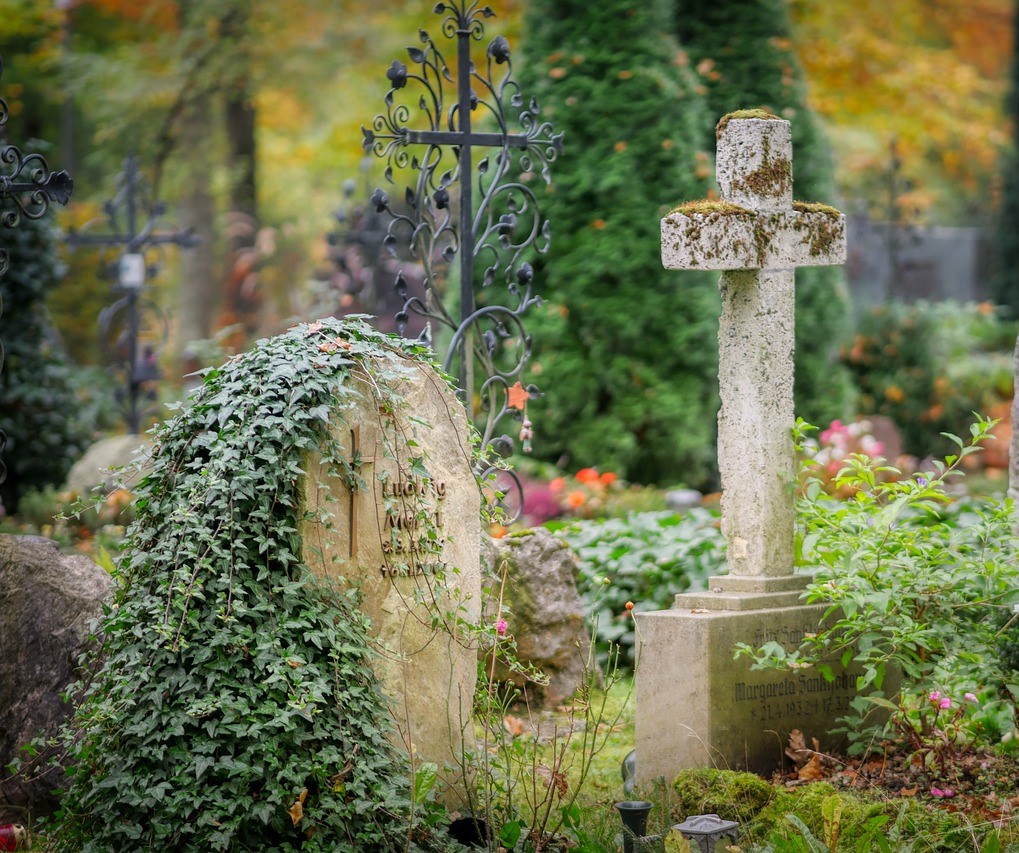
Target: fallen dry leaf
[
  {"x": 514, "y": 725},
  {"x": 797, "y": 749},
  {"x": 296, "y": 811},
  {"x": 812, "y": 771}
]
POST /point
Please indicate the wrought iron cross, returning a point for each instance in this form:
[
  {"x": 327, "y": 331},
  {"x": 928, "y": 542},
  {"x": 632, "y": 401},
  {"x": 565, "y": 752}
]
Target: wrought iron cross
[
  {"x": 31, "y": 195},
  {"x": 137, "y": 244},
  {"x": 499, "y": 227}
]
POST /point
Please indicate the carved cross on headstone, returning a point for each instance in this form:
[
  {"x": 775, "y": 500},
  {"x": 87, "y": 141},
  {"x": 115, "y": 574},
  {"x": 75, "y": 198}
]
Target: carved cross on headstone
[
  {"x": 757, "y": 235},
  {"x": 357, "y": 459}
]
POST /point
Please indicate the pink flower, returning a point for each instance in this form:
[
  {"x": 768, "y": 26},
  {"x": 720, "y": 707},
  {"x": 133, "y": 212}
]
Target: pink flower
[
  {"x": 947, "y": 792},
  {"x": 836, "y": 428},
  {"x": 945, "y": 703},
  {"x": 500, "y": 627},
  {"x": 935, "y": 696},
  {"x": 971, "y": 697}
]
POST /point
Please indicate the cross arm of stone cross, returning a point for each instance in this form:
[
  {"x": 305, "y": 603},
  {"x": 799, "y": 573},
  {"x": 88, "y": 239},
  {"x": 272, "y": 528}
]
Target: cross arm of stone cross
[{"x": 756, "y": 225}]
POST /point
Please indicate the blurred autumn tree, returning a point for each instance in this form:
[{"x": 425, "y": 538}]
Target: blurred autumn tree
[
  {"x": 624, "y": 350},
  {"x": 223, "y": 101},
  {"x": 744, "y": 55},
  {"x": 926, "y": 75}
]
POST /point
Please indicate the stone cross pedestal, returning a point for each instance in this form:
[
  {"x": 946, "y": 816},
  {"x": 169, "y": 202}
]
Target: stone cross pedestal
[{"x": 696, "y": 706}]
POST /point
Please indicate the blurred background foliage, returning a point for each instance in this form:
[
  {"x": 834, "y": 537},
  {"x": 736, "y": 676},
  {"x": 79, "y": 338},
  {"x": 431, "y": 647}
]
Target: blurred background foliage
[{"x": 247, "y": 117}]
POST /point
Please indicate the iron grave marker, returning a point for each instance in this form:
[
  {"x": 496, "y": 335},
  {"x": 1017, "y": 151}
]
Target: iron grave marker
[{"x": 696, "y": 706}]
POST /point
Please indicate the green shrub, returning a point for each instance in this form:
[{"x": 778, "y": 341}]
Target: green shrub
[
  {"x": 624, "y": 350},
  {"x": 929, "y": 366},
  {"x": 645, "y": 558},
  {"x": 39, "y": 408},
  {"x": 907, "y": 587}
]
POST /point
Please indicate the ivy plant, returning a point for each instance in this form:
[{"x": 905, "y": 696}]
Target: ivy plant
[{"x": 232, "y": 705}]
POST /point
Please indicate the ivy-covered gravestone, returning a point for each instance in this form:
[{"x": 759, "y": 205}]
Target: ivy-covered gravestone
[
  {"x": 402, "y": 524},
  {"x": 291, "y": 642}
]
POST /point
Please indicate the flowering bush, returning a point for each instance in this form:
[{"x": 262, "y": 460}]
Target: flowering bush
[
  {"x": 908, "y": 586},
  {"x": 929, "y": 365},
  {"x": 826, "y": 455},
  {"x": 584, "y": 495},
  {"x": 937, "y": 729}
]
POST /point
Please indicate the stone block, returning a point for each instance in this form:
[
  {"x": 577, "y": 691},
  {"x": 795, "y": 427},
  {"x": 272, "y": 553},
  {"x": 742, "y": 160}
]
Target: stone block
[
  {"x": 697, "y": 706},
  {"x": 732, "y": 238}
]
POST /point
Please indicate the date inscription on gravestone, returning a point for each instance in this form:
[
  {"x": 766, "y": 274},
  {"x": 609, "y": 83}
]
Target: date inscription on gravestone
[{"x": 782, "y": 696}]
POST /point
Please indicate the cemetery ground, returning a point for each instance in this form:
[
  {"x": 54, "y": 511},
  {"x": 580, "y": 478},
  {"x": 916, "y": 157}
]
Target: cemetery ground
[{"x": 943, "y": 779}]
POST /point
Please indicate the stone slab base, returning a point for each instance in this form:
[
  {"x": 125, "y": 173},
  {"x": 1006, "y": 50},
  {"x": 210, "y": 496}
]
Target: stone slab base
[{"x": 698, "y": 707}]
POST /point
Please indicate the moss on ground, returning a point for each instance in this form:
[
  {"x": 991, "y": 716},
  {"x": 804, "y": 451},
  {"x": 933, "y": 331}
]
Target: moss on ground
[{"x": 729, "y": 794}]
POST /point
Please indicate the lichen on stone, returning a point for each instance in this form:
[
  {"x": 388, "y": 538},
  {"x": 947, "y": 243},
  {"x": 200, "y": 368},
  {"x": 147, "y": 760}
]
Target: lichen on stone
[
  {"x": 723, "y": 208},
  {"x": 770, "y": 179},
  {"x": 822, "y": 232},
  {"x": 757, "y": 113},
  {"x": 816, "y": 207}
]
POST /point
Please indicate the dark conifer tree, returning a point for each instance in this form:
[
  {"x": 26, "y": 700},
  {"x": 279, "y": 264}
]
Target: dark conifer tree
[
  {"x": 625, "y": 351},
  {"x": 39, "y": 409}
]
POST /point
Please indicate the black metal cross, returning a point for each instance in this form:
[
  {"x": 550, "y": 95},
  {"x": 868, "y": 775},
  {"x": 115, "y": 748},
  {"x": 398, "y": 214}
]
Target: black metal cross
[
  {"x": 501, "y": 227},
  {"x": 133, "y": 223}
]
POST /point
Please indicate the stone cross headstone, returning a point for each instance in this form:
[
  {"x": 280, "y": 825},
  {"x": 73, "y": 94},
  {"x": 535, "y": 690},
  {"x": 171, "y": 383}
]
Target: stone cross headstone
[
  {"x": 696, "y": 706},
  {"x": 413, "y": 479}
]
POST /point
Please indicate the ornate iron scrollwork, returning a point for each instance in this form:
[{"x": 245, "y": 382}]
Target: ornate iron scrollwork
[{"x": 495, "y": 231}]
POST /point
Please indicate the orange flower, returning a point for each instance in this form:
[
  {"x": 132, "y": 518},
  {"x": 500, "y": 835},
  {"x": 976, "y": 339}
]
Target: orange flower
[
  {"x": 556, "y": 485},
  {"x": 608, "y": 478},
  {"x": 587, "y": 475},
  {"x": 576, "y": 499},
  {"x": 895, "y": 394},
  {"x": 497, "y": 531},
  {"x": 118, "y": 499}
]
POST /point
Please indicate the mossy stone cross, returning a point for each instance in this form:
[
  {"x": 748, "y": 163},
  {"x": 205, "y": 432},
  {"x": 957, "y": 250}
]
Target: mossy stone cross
[{"x": 757, "y": 235}]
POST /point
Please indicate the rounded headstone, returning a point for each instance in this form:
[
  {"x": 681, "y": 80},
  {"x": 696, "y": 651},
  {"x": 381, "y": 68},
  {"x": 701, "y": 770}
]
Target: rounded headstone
[
  {"x": 413, "y": 463},
  {"x": 94, "y": 469}
]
